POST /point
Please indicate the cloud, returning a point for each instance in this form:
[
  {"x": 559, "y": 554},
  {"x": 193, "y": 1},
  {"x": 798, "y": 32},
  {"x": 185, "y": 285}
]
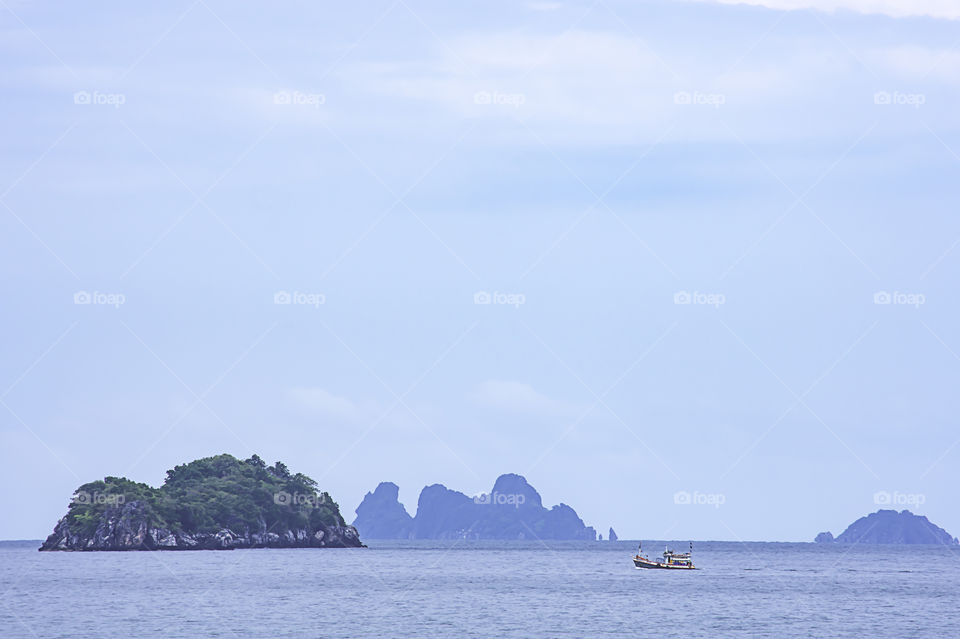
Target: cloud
[
  {"x": 518, "y": 397},
  {"x": 917, "y": 63},
  {"x": 544, "y": 6},
  {"x": 896, "y": 8},
  {"x": 595, "y": 87},
  {"x": 318, "y": 401},
  {"x": 595, "y": 78}
]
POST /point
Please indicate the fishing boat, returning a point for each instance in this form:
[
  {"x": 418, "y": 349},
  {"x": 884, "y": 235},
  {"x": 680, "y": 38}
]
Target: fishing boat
[{"x": 671, "y": 560}]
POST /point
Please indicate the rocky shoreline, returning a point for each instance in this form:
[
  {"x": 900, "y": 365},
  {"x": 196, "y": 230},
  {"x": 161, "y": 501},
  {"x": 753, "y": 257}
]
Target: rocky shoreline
[{"x": 126, "y": 528}]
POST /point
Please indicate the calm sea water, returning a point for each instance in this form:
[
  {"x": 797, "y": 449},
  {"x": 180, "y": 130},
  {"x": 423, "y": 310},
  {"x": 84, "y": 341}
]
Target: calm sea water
[{"x": 483, "y": 589}]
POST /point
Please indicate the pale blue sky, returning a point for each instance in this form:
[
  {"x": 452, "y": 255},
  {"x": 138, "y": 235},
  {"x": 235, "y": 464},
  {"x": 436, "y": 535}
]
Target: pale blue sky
[{"x": 394, "y": 158}]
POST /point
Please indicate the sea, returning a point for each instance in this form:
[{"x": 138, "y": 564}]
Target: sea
[{"x": 483, "y": 589}]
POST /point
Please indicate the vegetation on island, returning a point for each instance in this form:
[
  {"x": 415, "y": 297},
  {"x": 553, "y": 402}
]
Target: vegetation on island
[{"x": 211, "y": 494}]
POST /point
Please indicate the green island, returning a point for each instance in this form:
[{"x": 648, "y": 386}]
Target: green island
[{"x": 214, "y": 503}]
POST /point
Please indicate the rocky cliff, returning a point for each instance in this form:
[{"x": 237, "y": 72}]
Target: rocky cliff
[
  {"x": 216, "y": 503},
  {"x": 512, "y": 510},
  {"x": 891, "y": 527},
  {"x": 128, "y": 527},
  {"x": 381, "y": 515}
]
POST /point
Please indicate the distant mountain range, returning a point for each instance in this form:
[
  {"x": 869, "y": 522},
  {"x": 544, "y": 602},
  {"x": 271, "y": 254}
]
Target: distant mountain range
[
  {"x": 512, "y": 510},
  {"x": 891, "y": 527}
]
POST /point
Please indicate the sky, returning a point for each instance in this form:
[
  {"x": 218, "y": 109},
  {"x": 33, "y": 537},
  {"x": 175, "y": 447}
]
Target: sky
[{"x": 689, "y": 267}]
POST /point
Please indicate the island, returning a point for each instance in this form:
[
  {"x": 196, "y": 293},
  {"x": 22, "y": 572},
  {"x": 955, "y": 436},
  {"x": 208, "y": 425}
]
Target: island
[
  {"x": 214, "y": 503},
  {"x": 382, "y": 516},
  {"x": 891, "y": 527},
  {"x": 513, "y": 509}
]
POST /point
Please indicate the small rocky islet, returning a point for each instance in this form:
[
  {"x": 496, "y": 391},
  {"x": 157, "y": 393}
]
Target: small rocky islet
[
  {"x": 890, "y": 527},
  {"x": 214, "y": 503}
]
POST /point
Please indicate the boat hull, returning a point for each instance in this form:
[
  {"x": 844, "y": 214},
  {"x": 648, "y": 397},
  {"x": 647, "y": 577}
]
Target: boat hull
[{"x": 642, "y": 562}]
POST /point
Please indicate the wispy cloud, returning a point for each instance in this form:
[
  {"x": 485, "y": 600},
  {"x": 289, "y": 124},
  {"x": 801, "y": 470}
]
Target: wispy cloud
[
  {"x": 321, "y": 402},
  {"x": 544, "y": 6},
  {"x": 919, "y": 63},
  {"x": 896, "y": 8},
  {"x": 599, "y": 87},
  {"x": 521, "y": 398}
]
